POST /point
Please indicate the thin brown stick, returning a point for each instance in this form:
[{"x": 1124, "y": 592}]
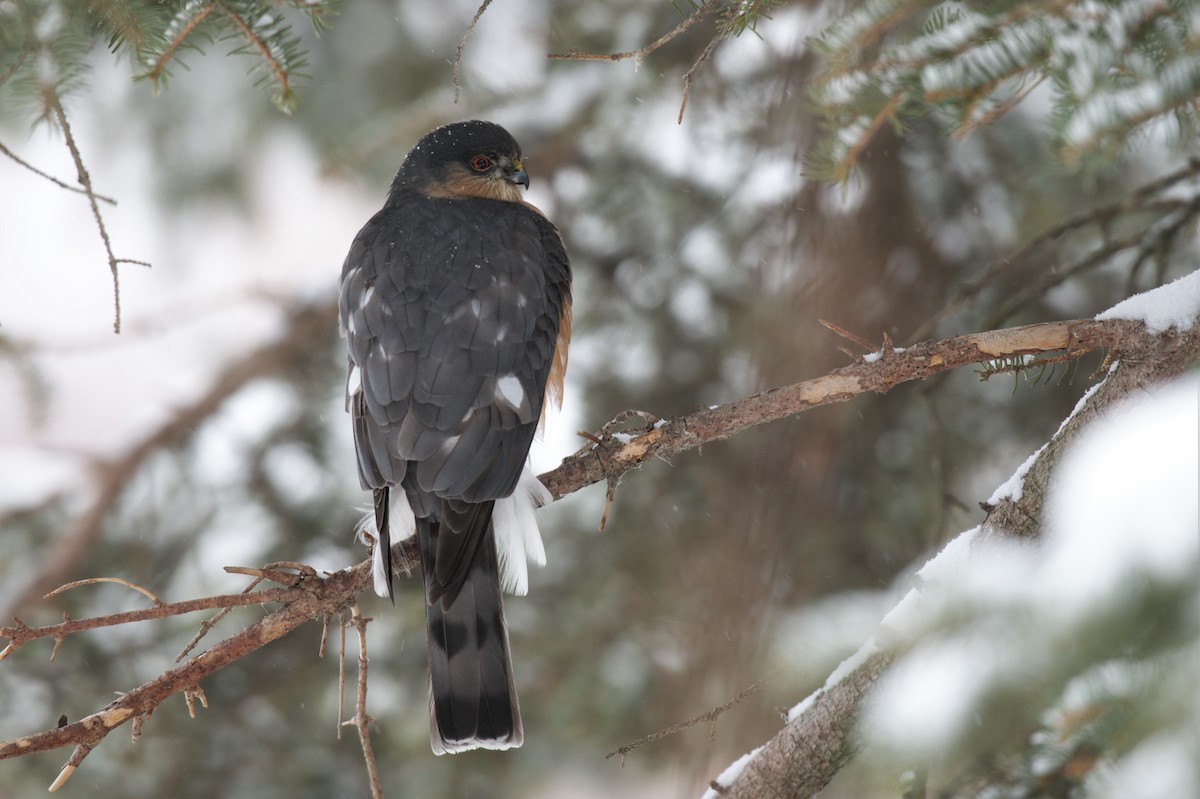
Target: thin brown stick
[
  {"x": 710, "y": 716},
  {"x": 701, "y": 60},
  {"x": 324, "y": 637},
  {"x": 50, "y": 97},
  {"x": 341, "y": 679},
  {"x": 80, "y": 752},
  {"x": 93, "y": 580},
  {"x": 208, "y": 624},
  {"x": 362, "y": 721},
  {"x": 62, "y": 184},
  {"x": 20, "y": 634},
  {"x": 1143, "y": 242},
  {"x": 637, "y": 55},
  {"x": 847, "y": 334},
  {"x": 458, "y": 52},
  {"x": 1136, "y": 202}
]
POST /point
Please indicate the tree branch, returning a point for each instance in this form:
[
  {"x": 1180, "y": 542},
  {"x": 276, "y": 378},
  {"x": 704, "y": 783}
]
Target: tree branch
[
  {"x": 311, "y": 598},
  {"x": 20, "y": 634},
  {"x": 878, "y": 373},
  {"x": 802, "y": 758}
]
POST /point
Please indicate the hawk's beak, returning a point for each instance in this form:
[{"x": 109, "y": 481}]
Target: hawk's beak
[{"x": 520, "y": 177}]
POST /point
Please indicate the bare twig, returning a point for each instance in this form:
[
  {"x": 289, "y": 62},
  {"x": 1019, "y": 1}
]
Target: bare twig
[
  {"x": 1144, "y": 242},
  {"x": 93, "y": 580},
  {"x": 20, "y": 634},
  {"x": 305, "y": 602},
  {"x": 50, "y": 97},
  {"x": 362, "y": 721},
  {"x": 458, "y": 52},
  {"x": 848, "y": 335},
  {"x": 56, "y": 181},
  {"x": 341, "y": 679},
  {"x": 80, "y": 752},
  {"x": 193, "y": 695},
  {"x": 208, "y": 624},
  {"x": 637, "y": 55},
  {"x": 710, "y": 716},
  {"x": 701, "y": 60}
]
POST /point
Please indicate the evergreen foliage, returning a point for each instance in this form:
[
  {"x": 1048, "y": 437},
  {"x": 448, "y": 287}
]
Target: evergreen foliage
[
  {"x": 45, "y": 44},
  {"x": 1113, "y": 67}
]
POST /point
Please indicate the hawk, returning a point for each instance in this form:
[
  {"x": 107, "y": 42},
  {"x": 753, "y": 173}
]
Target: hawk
[{"x": 456, "y": 309}]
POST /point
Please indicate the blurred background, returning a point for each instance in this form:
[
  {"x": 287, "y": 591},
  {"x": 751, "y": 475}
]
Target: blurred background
[{"x": 211, "y": 432}]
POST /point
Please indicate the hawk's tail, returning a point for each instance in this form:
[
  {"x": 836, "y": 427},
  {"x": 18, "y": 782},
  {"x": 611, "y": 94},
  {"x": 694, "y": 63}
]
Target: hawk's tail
[{"x": 473, "y": 701}]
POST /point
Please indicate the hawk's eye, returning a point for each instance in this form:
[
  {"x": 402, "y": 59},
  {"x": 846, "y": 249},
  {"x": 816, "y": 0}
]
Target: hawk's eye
[{"x": 481, "y": 163}]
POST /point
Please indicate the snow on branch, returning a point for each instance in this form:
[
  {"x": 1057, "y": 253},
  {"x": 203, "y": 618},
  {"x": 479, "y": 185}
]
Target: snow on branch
[
  {"x": 1111, "y": 68},
  {"x": 824, "y": 731}
]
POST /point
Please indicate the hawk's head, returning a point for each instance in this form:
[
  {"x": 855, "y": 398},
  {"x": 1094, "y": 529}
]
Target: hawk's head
[{"x": 466, "y": 159}]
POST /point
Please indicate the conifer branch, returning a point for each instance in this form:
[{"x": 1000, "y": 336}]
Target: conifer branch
[
  {"x": 17, "y": 63},
  {"x": 965, "y": 58},
  {"x": 272, "y": 47},
  {"x": 819, "y": 736},
  {"x": 177, "y": 34}
]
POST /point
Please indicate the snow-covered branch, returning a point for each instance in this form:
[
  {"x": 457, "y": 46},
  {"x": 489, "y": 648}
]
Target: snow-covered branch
[{"x": 1159, "y": 340}]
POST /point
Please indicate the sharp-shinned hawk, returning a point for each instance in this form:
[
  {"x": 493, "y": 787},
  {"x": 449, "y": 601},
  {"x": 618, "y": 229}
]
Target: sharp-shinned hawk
[{"x": 456, "y": 309}]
